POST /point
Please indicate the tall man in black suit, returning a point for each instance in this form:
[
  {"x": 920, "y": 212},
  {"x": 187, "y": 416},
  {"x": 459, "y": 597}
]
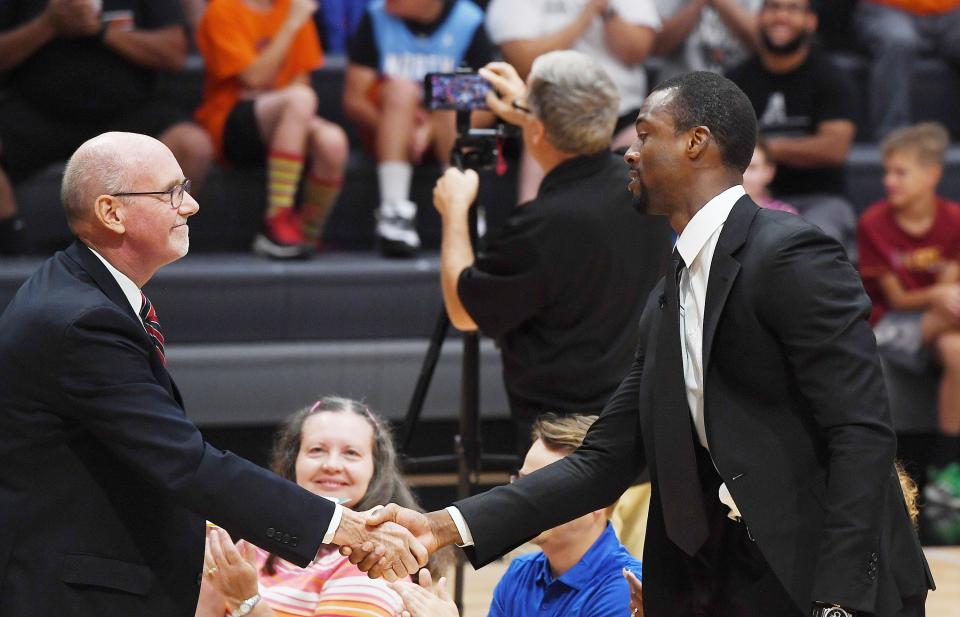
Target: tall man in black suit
[
  {"x": 756, "y": 398},
  {"x": 104, "y": 483}
]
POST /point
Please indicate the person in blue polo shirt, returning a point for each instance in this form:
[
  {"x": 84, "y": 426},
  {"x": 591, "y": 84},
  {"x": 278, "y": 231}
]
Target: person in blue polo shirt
[{"x": 579, "y": 570}]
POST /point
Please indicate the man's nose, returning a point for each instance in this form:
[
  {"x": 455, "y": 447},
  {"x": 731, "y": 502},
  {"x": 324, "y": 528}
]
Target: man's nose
[
  {"x": 631, "y": 156},
  {"x": 189, "y": 207}
]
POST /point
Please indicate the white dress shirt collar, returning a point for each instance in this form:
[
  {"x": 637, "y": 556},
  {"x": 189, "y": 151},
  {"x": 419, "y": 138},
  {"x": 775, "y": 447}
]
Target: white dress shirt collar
[
  {"x": 130, "y": 290},
  {"x": 705, "y": 222}
]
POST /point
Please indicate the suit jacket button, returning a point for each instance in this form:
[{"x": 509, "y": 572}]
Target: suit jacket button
[
  {"x": 293, "y": 540},
  {"x": 271, "y": 532},
  {"x": 286, "y": 538}
]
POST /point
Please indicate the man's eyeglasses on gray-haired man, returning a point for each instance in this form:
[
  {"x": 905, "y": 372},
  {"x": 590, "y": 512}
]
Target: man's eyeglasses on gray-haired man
[{"x": 175, "y": 192}]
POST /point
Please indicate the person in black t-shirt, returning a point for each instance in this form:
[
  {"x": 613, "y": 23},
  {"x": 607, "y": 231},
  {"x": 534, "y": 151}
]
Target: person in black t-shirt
[
  {"x": 12, "y": 237},
  {"x": 395, "y": 46},
  {"x": 803, "y": 106},
  {"x": 78, "y": 68},
  {"x": 561, "y": 289}
]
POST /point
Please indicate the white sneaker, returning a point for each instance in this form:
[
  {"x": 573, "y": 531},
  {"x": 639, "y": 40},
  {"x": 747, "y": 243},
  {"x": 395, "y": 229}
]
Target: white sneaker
[{"x": 397, "y": 228}]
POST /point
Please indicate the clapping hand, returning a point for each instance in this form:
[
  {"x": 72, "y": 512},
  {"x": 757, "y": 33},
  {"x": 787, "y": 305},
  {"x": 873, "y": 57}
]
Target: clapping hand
[
  {"x": 380, "y": 546},
  {"x": 425, "y": 599},
  {"x": 229, "y": 569},
  {"x": 636, "y": 593},
  {"x": 75, "y": 17},
  {"x": 300, "y": 12}
]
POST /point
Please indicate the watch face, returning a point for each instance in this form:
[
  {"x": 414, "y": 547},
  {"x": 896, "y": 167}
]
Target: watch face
[{"x": 836, "y": 612}]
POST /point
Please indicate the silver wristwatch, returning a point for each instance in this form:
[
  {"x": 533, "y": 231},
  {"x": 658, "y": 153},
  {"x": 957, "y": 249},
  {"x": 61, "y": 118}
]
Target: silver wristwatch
[
  {"x": 246, "y": 606},
  {"x": 826, "y": 610}
]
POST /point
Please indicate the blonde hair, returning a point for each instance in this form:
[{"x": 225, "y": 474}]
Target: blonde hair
[
  {"x": 562, "y": 433},
  {"x": 928, "y": 140},
  {"x": 910, "y": 492}
]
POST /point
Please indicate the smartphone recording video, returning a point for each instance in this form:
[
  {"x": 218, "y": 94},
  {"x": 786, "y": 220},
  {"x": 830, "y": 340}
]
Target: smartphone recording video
[{"x": 459, "y": 91}]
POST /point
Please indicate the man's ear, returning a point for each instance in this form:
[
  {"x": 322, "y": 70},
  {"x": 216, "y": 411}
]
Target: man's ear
[
  {"x": 698, "y": 139},
  {"x": 109, "y": 213},
  {"x": 538, "y": 132}
]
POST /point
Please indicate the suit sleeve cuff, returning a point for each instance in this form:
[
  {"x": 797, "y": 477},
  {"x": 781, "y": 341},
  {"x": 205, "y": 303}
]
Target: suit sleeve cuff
[
  {"x": 462, "y": 527},
  {"x": 334, "y": 524}
]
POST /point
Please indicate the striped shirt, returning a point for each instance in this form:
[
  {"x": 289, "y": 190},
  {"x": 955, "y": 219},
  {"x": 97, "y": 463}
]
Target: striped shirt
[{"x": 330, "y": 586}]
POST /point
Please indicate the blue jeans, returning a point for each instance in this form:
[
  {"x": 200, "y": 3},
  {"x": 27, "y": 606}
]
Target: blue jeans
[{"x": 895, "y": 39}]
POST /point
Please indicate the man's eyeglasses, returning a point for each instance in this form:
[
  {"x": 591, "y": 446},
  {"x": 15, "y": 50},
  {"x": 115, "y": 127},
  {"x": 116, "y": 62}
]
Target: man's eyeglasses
[{"x": 175, "y": 192}]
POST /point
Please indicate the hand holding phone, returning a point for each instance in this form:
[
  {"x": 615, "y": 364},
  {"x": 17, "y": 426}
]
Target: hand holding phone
[{"x": 459, "y": 91}]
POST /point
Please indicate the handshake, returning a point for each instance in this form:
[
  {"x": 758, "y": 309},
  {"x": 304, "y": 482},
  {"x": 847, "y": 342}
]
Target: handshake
[{"x": 393, "y": 542}]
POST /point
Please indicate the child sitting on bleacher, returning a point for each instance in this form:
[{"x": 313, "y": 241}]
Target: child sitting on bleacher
[
  {"x": 758, "y": 176},
  {"x": 910, "y": 263},
  {"x": 260, "y": 109}
]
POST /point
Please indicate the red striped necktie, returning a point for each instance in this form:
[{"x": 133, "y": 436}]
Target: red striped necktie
[{"x": 149, "y": 316}]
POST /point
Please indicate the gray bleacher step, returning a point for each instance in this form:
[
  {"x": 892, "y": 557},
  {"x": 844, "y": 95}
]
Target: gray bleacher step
[
  {"x": 221, "y": 298},
  {"x": 334, "y": 296},
  {"x": 257, "y": 384}
]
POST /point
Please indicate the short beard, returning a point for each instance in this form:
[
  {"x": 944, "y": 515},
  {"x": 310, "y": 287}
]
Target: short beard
[
  {"x": 784, "y": 49},
  {"x": 641, "y": 200}
]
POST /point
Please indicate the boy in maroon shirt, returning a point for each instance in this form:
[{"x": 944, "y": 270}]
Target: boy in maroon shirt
[{"x": 909, "y": 245}]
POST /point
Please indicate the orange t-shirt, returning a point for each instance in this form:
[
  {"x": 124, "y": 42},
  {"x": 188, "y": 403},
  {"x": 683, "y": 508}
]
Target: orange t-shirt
[
  {"x": 230, "y": 36},
  {"x": 922, "y": 7}
]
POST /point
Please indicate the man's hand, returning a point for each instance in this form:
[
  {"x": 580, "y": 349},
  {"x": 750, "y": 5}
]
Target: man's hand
[
  {"x": 388, "y": 550},
  {"x": 597, "y": 7},
  {"x": 512, "y": 93},
  {"x": 455, "y": 192},
  {"x": 432, "y": 531},
  {"x": 426, "y": 599}
]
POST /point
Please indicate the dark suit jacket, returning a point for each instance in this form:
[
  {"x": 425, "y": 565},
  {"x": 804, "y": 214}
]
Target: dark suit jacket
[
  {"x": 104, "y": 483},
  {"x": 796, "y": 419}
]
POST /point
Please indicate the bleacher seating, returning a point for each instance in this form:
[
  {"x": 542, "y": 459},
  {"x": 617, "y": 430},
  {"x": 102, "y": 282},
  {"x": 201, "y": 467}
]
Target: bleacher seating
[
  {"x": 252, "y": 340},
  {"x": 233, "y": 201},
  {"x": 935, "y": 90}
]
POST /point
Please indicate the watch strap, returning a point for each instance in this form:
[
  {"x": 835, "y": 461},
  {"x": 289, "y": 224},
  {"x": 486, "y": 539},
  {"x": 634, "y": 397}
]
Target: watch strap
[{"x": 246, "y": 606}]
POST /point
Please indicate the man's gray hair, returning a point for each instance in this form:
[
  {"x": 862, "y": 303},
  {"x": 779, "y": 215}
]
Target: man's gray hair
[
  {"x": 576, "y": 101},
  {"x": 96, "y": 168}
]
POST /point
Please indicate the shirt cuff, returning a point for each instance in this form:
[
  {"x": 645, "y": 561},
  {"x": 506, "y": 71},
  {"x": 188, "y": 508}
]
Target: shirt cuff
[
  {"x": 461, "y": 524},
  {"x": 334, "y": 524}
]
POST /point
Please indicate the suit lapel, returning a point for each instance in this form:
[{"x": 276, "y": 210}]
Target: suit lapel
[
  {"x": 724, "y": 269},
  {"x": 81, "y": 254}
]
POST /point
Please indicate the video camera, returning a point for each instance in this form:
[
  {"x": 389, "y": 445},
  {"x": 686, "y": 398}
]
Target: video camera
[{"x": 465, "y": 91}]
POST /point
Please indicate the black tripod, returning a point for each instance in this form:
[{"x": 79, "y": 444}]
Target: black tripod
[{"x": 474, "y": 149}]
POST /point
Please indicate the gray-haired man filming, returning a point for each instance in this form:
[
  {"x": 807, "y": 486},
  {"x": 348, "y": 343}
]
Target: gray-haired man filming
[{"x": 561, "y": 288}]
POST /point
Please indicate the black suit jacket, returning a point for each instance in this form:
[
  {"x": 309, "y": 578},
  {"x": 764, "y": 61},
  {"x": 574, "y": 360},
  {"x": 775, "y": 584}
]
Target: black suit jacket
[
  {"x": 104, "y": 483},
  {"x": 796, "y": 419}
]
